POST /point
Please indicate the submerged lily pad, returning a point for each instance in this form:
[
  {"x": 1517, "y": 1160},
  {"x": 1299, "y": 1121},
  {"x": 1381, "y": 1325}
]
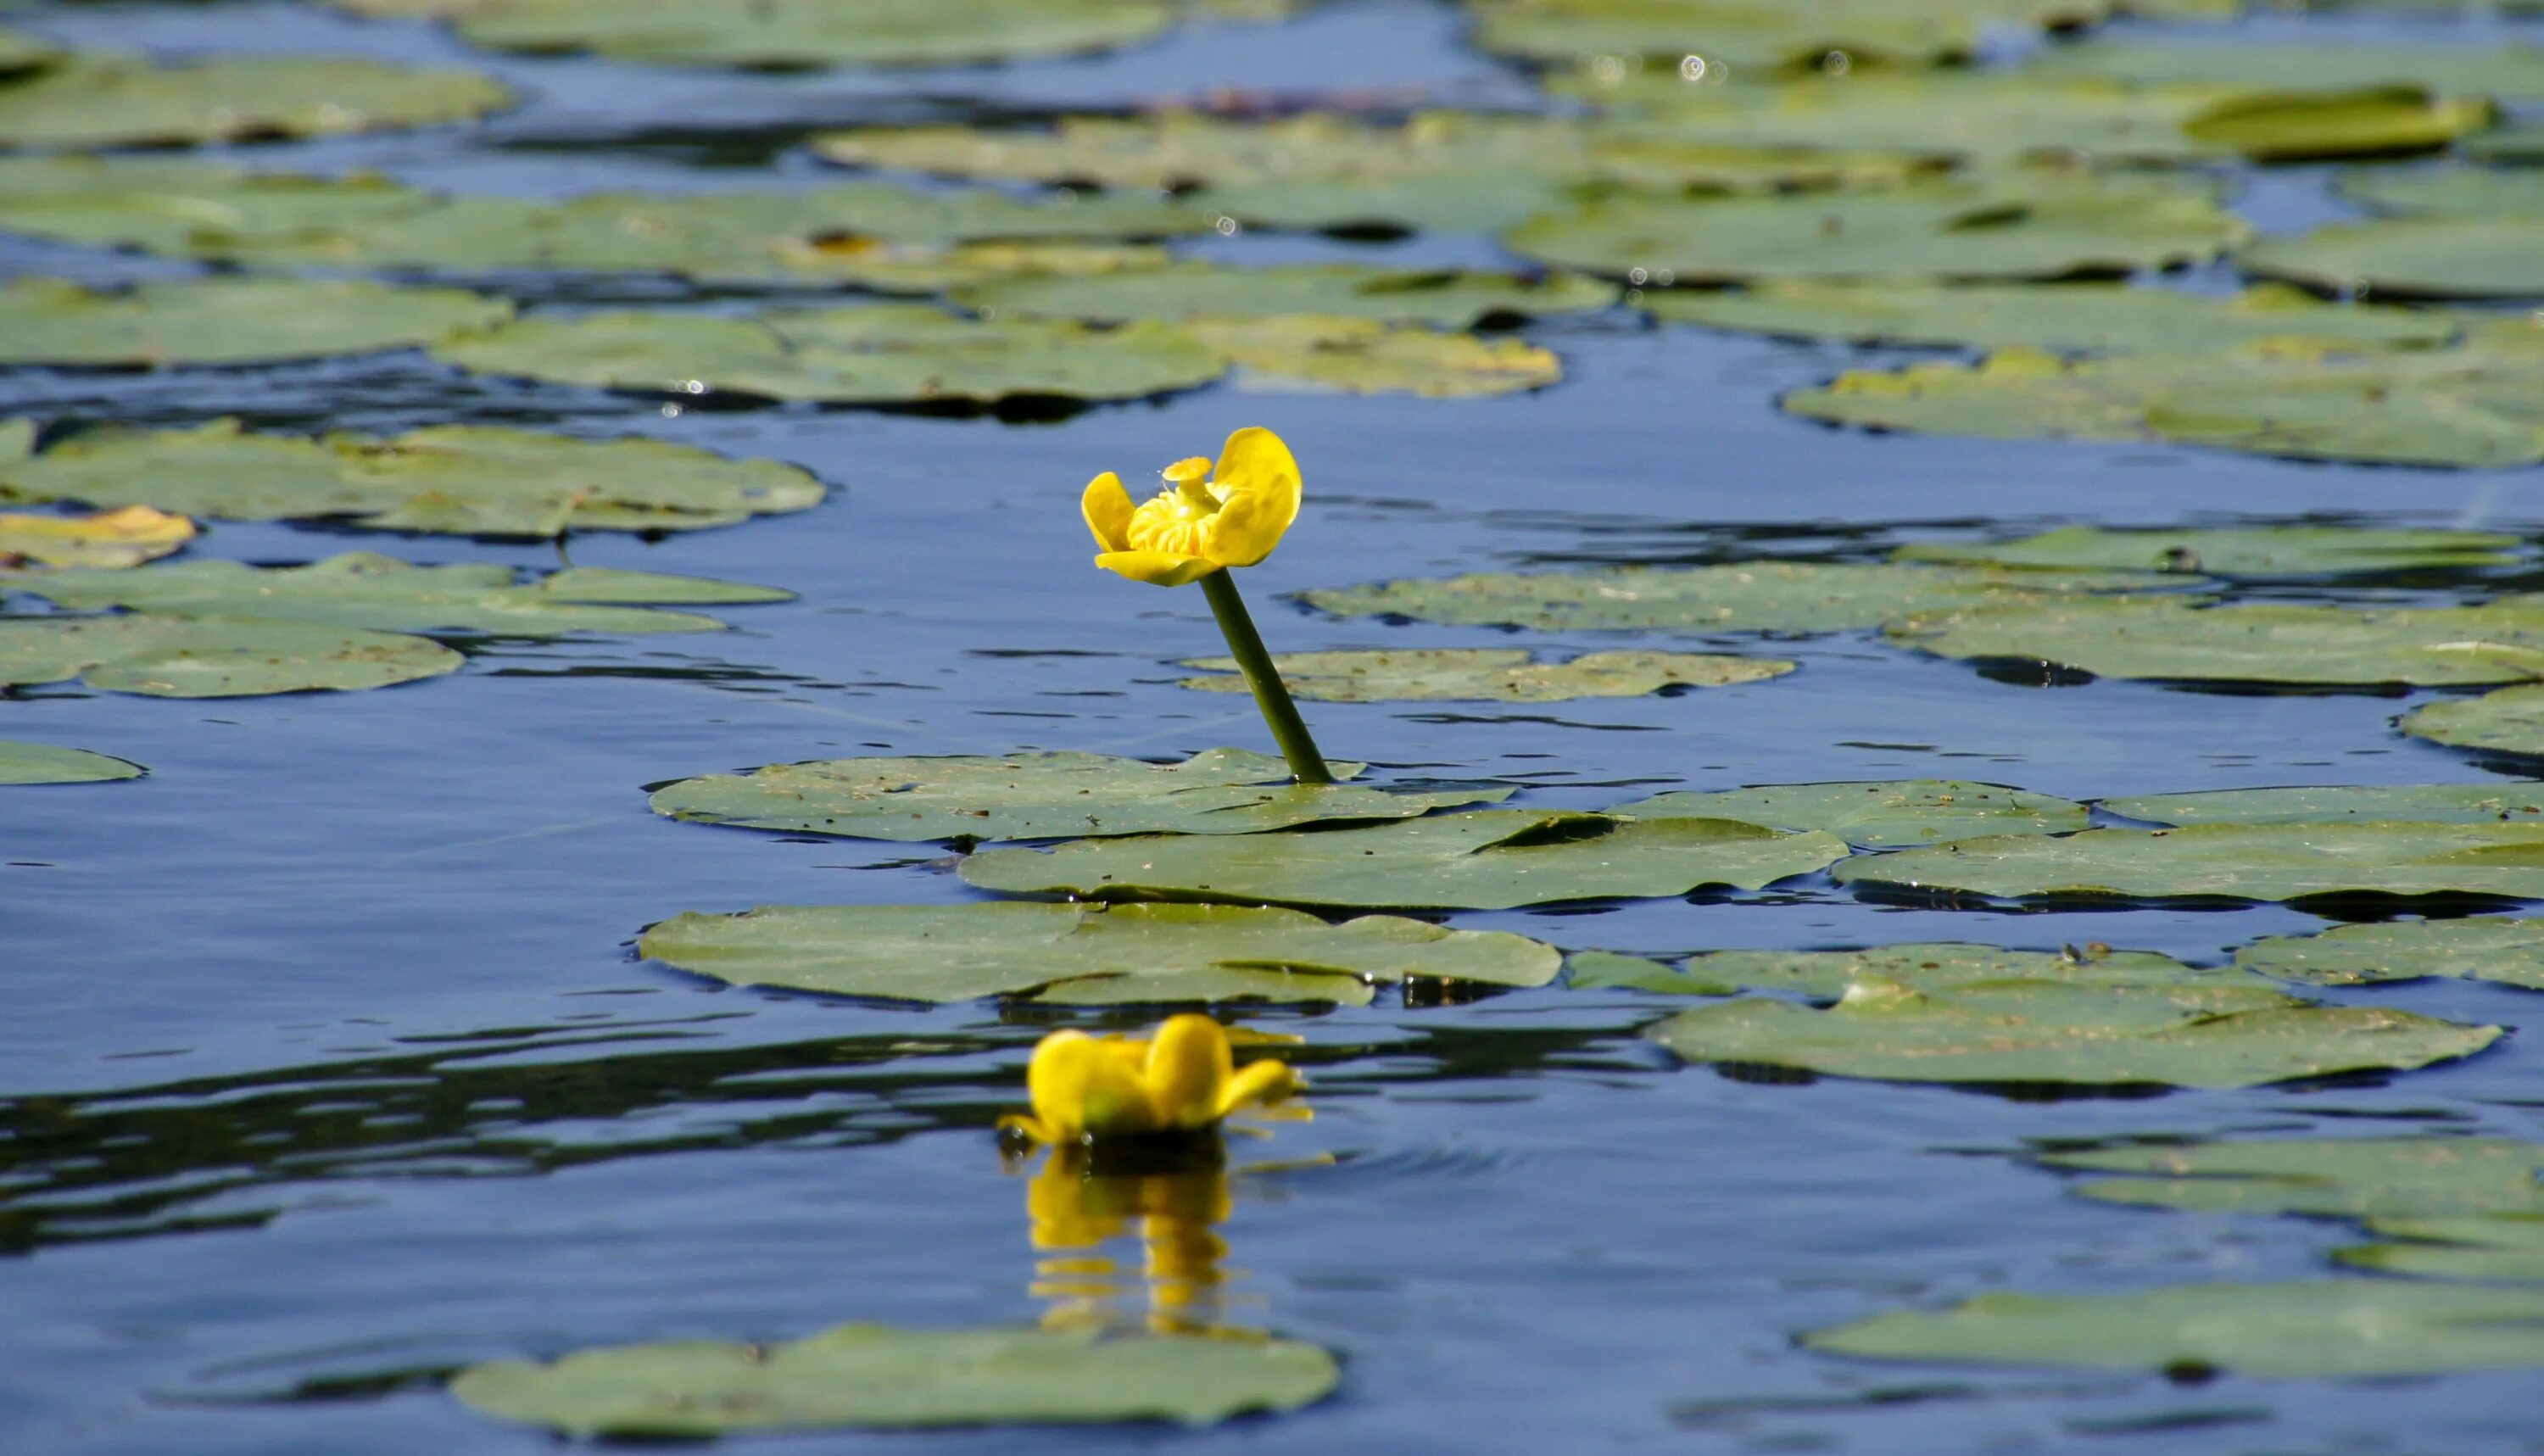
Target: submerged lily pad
[
  {"x": 2045, "y": 225},
  {"x": 108, "y": 541},
  {"x": 2249, "y": 642},
  {"x": 360, "y": 589},
  {"x": 2360, "y": 1328},
  {"x": 42, "y": 763},
  {"x": 1747, "y": 36},
  {"x": 1939, "y": 967},
  {"x": 1026, "y": 796},
  {"x": 1362, "y": 355},
  {"x": 2495, "y": 69},
  {"x": 2507, "y": 721},
  {"x": 2244, "y": 553},
  {"x": 2322, "y": 1178},
  {"x": 1083, "y": 954},
  {"x": 212, "y": 656},
  {"x": 98, "y": 99},
  {"x": 1491, "y": 675},
  {"x": 2504, "y": 1248},
  {"x": 2065, "y": 318},
  {"x": 218, "y": 320},
  {"x": 793, "y": 35},
  {"x": 466, "y": 479},
  {"x": 1480, "y": 859},
  {"x": 2412, "y": 257},
  {"x": 1739, "y": 597},
  {"x": 2230, "y": 862},
  {"x": 883, "y": 354},
  {"x": 2484, "y": 948},
  {"x": 1883, "y": 815},
  {"x": 870, "y": 1375},
  {"x": 1446, "y": 298},
  {"x": 2418, "y": 803}
]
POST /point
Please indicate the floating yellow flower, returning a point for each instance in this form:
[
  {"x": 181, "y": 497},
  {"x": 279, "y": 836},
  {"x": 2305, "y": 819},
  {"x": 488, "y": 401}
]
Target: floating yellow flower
[
  {"x": 1207, "y": 518},
  {"x": 1184, "y": 1079}
]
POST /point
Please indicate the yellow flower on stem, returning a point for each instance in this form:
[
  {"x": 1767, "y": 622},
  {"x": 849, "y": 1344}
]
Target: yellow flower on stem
[
  {"x": 1182, "y": 1080},
  {"x": 1208, "y": 516}
]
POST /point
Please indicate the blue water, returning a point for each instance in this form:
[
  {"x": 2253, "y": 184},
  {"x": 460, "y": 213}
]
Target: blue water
[{"x": 327, "y": 1065}]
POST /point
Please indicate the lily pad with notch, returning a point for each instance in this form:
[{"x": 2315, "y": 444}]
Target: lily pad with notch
[
  {"x": 1885, "y": 814},
  {"x": 43, "y": 763},
  {"x": 2223, "y": 862},
  {"x": 1491, "y": 675},
  {"x": 2506, "y": 951},
  {"x": 227, "y": 320},
  {"x": 212, "y": 656},
  {"x": 2508, "y": 720},
  {"x": 2244, "y": 553}
]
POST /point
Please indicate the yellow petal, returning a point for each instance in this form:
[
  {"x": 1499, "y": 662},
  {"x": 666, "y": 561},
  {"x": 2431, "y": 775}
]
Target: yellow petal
[
  {"x": 1107, "y": 509},
  {"x": 1260, "y": 1084},
  {"x": 1080, "y": 1088},
  {"x": 1156, "y": 568},
  {"x": 1258, "y": 480},
  {"x": 107, "y": 540},
  {"x": 1189, "y": 1064}
]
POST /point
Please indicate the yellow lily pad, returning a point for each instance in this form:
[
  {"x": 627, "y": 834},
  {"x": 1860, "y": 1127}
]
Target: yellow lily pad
[
  {"x": 2064, "y": 318},
  {"x": 1886, "y": 814},
  {"x": 2509, "y": 720},
  {"x": 1450, "y": 298},
  {"x": 1361, "y": 356},
  {"x": 1490, "y": 675},
  {"x": 2222, "y": 862},
  {"x": 212, "y": 656},
  {"x": 42, "y": 763},
  {"x": 107, "y": 540},
  {"x": 102, "y": 99},
  {"x": 2255, "y": 552},
  {"x": 2493, "y": 948},
  {"x": 228, "y": 321}
]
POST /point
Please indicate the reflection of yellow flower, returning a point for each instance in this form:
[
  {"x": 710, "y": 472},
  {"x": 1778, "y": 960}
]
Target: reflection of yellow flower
[
  {"x": 1076, "y": 1210},
  {"x": 1182, "y": 1080},
  {"x": 1207, "y": 518}
]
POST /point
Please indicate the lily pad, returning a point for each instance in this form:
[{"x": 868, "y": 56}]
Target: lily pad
[
  {"x": 1740, "y": 597},
  {"x": 2226, "y": 861},
  {"x": 1940, "y": 967},
  {"x": 108, "y": 541},
  {"x": 2500, "y": 1249},
  {"x": 187, "y": 205},
  {"x": 1083, "y": 954},
  {"x": 2320, "y": 1177},
  {"x": 464, "y": 479},
  {"x": 1744, "y": 35},
  {"x": 2046, "y": 225},
  {"x": 2417, "y": 803},
  {"x": 1883, "y": 815},
  {"x": 2008, "y": 1032},
  {"x": 360, "y": 589},
  {"x": 1491, "y": 675},
  {"x": 2484, "y": 948},
  {"x": 2411, "y": 258},
  {"x": 2252, "y": 642},
  {"x": 1025, "y": 797},
  {"x": 2359, "y": 1328},
  {"x": 884, "y": 353},
  {"x": 98, "y": 99},
  {"x": 2244, "y": 552},
  {"x": 226, "y": 321},
  {"x": 1448, "y": 298},
  {"x": 212, "y": 656},
  {"x": 2462, "y": 192},
  {"x": 2501, "y": 71},
  {"x": 42, "y": 763},
  {"x": 795, "y": 35},
  {"x": 20, "y": 52},
  {"x": 887, "y": 267},
  {"x": 1480, "y": 859},
  {"x": 869, "y": 1375},
  {"x": 2065, "y": 318},
  {"x": 1360, "y": 355},
  {"x": 2507, "y": 721}
]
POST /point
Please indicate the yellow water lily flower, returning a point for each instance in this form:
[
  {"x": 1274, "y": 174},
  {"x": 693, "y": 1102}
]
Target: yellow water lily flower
[
  {"x": 1208, "y": 516},
  {"x": 1183, "y": 1079}
]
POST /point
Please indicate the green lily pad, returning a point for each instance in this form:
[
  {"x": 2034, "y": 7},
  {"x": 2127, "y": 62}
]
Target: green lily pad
[
  {"x": 107, "y": 540},
  {"x": 2228, "y": 862},
  {"x": 1479, "y": 859},
  {"x": 1605, "y": 970},
  {"x": 1026, "y": 796},
  {"x": 212, "y": 656},
  {"x": 2517, "y": 144},
  {"x": 795, "y": 35},
  {"x": 1360, "y": 355},
  {"x": 96, "y": 99},
  {"x": 886, "y": 267},
  {"x": 2495, "y": 69},
  {"x": 1740, "y": 597},
  {"x": 1883, "y": 815},
  {"x": 463, "y": 479},
  {"x": 2502, "y": 1249},
  {"x": 1491, "y": 675},
  {"x": 2252, "y": 642},
  {"x": 361, "y": 589},
  {"x": 198, "y": 321},
  {"x": 2359, "y": 1328},
  {"x": 2244, "y": 552},
  {"x": 2417, "y": 803},
  {"x": 2046, "y": 225},
  {"x": 186, "y": 206},
  {"x": 609, "y": 586},
  {"x": 2484, "y": 948},
  {"x": 1746, "y": 37},
  {"x": 869, "y": 1375},
  {"x": 884, "y": 353},
  {"x": 1448, "y": 298},
  {"x": 1082, "y": 953},
  {"x": 2507, "y": 721},
  {"x": 2320, "y": 1177},
  {"x": 20, "y": 52},
  {"x": 42, "y": 763},
  {"x": 2469, "y": 405},
  {"x": 2064, "y": 318},
  {"x": 2412, "y": 257},
  {"x": 1939, "y": 967},
  {"x": 2461, "y": 192}
]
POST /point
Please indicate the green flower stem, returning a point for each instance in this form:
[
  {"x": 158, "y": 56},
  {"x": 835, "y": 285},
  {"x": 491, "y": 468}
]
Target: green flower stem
[{"x": 1270, "y": 694}]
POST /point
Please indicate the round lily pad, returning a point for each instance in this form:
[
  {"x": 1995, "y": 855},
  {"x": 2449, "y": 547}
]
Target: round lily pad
[
  {"x": 2484, "y": 948},
  {"x": 226, "y": 321},
  {"x": 1828, "y": 974},
  {"x": 2500, "y": 1249},
  {"x": 1490, "y": 674},
  {"x": 794, "y": 35},
  {"x": 870, "y": 1375},
  {"x": 2359, "y": 1328},
  {"x": 1084, "y": 954},
  {"x": 1362, "y": 355},
  {"x": 2065, "y": 318},
  {"x": 1883, "y": 815},
  {"x": 2509, "y": 720},
  {"x": 2243, "y": 552},
  {"x": 2226, "y": 861},
  {"x": 212, "y": 656},
  {"x": 96, "y": 99},
  {"x": 106, "y": 540},
  {"x": 42, "y": 763},
  {"x": 2255, "y": 642},
  {"x": 2493, "y": 69},
  {"x": 2419, "y": 803},
  {"x": 187, "y": 205},
  {"x": 1480, "y": 859},
  {"x": 2320, "y": 1177},
  {"x": 2411, "y": 257},
  {"x": 464, "y": 479},
  {"x": 2465, "y": 191},
  {"x": 1740, "y": 597},
  {"x": 1024, "y": 796},
  {"x": 1449, "y": 298},
  {"x": 884, "y": 353},
  {"x": 1746, "y": 37}
]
